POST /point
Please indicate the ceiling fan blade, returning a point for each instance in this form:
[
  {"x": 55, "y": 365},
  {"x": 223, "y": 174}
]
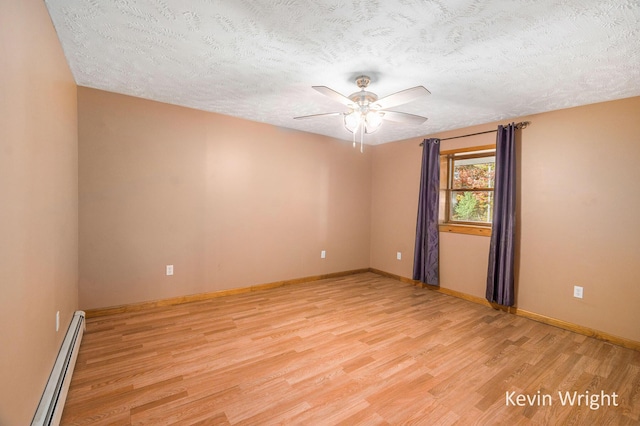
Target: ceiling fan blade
[
  {"x": 333, "y": 95},
  {"x": 326, "y": 114},
  {"x": 402, "y": 97},
  {"x": 403, "y": 117}
]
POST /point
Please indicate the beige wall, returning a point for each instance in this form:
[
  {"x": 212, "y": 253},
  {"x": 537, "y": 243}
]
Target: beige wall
[
  {"x": 578, "y": 221},
  {"x": 38, "y": 204},
  {"x": 230, "y": 203}
]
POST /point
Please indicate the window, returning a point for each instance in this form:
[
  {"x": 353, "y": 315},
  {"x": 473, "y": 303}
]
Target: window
[{"x": 467, "y": 184}]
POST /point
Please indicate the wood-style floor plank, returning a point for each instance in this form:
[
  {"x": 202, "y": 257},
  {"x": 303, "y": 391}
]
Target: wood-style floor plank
[{"x": 362, "y": 349}]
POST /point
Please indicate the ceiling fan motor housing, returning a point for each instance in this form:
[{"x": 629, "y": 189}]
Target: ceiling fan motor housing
[{"x": 363, "y": 98}]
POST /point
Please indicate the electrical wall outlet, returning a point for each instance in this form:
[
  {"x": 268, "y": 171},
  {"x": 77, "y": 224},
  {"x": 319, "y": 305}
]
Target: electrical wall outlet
[
  {"x": 57, "y": 321},
  {"x": 169, "y": 269},
  {"x": 399, "y": 255},
  {"x": 323, "y": 254},
  {"x": 577, "y": 291}
]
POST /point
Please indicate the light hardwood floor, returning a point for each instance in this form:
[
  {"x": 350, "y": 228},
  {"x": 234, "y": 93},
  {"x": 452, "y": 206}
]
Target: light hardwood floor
[{"x": 362, "y": 349}]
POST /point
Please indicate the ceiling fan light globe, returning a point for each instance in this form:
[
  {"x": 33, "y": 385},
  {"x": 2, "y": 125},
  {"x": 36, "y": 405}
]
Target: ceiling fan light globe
[
  {"x": 352, "y": 121},
  {"x": 372, "y": 121}
]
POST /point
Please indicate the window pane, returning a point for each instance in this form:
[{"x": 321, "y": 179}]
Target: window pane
[
  {"x": 471, "y": 206},
  {"x": 474, "y": 172}
]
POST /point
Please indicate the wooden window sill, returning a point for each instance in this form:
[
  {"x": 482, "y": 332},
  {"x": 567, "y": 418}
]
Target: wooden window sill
[{"x": 482, "y": 231}]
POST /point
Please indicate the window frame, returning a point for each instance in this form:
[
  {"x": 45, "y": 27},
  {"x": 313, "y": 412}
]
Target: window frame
[{"x": 447, "y": 158}]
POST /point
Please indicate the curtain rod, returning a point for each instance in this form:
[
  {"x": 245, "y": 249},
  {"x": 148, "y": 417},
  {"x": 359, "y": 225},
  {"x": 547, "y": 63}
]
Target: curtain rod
[{"x": 520, "y": 125}]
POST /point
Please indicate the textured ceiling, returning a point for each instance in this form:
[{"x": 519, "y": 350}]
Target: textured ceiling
[{"x": 257, "y": 59}]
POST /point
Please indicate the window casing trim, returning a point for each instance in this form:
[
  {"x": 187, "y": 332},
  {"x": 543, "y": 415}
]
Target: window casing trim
[{"x": 463, "y": 227}]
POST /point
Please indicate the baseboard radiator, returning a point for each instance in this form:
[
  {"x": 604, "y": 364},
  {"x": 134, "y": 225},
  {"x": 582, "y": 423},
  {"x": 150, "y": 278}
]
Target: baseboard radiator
[{"x": 49, "y": 410}]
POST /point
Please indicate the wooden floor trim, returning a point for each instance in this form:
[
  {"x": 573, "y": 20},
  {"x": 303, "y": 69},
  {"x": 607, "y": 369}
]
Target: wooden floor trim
[
  {"x": 600, "y": 335},
  {"x": 135, "y": 307},
  {"x": 586, "y": 331}
]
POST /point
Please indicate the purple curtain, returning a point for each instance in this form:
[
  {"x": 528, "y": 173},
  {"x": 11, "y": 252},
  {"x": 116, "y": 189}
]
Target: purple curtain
[
  {"x": 425, "y": 260},
  {"x": 500, "y": 275}
]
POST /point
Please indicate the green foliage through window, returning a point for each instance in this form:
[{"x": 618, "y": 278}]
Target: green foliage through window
[{"x": 472, "y": 206}]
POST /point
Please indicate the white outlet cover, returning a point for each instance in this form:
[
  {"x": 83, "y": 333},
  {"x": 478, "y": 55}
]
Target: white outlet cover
[
  {"x": 169, "y": 269},
  {"x": 323, "y": 254},
  {"x": 577, "y": 291},
  {"x": 399, "y": 255}
]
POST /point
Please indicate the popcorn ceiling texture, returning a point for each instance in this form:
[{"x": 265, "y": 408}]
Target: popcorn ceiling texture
[{"x": 482, "y": 60}]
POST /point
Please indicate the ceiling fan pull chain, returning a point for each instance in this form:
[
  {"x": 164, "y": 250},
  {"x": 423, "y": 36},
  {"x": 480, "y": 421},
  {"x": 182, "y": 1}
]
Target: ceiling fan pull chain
[{"x": 354, "y": 136}]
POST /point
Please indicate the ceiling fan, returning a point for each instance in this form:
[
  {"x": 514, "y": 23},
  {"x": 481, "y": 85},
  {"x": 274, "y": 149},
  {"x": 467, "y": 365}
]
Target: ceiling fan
[{"x": 366, "y": 111}]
